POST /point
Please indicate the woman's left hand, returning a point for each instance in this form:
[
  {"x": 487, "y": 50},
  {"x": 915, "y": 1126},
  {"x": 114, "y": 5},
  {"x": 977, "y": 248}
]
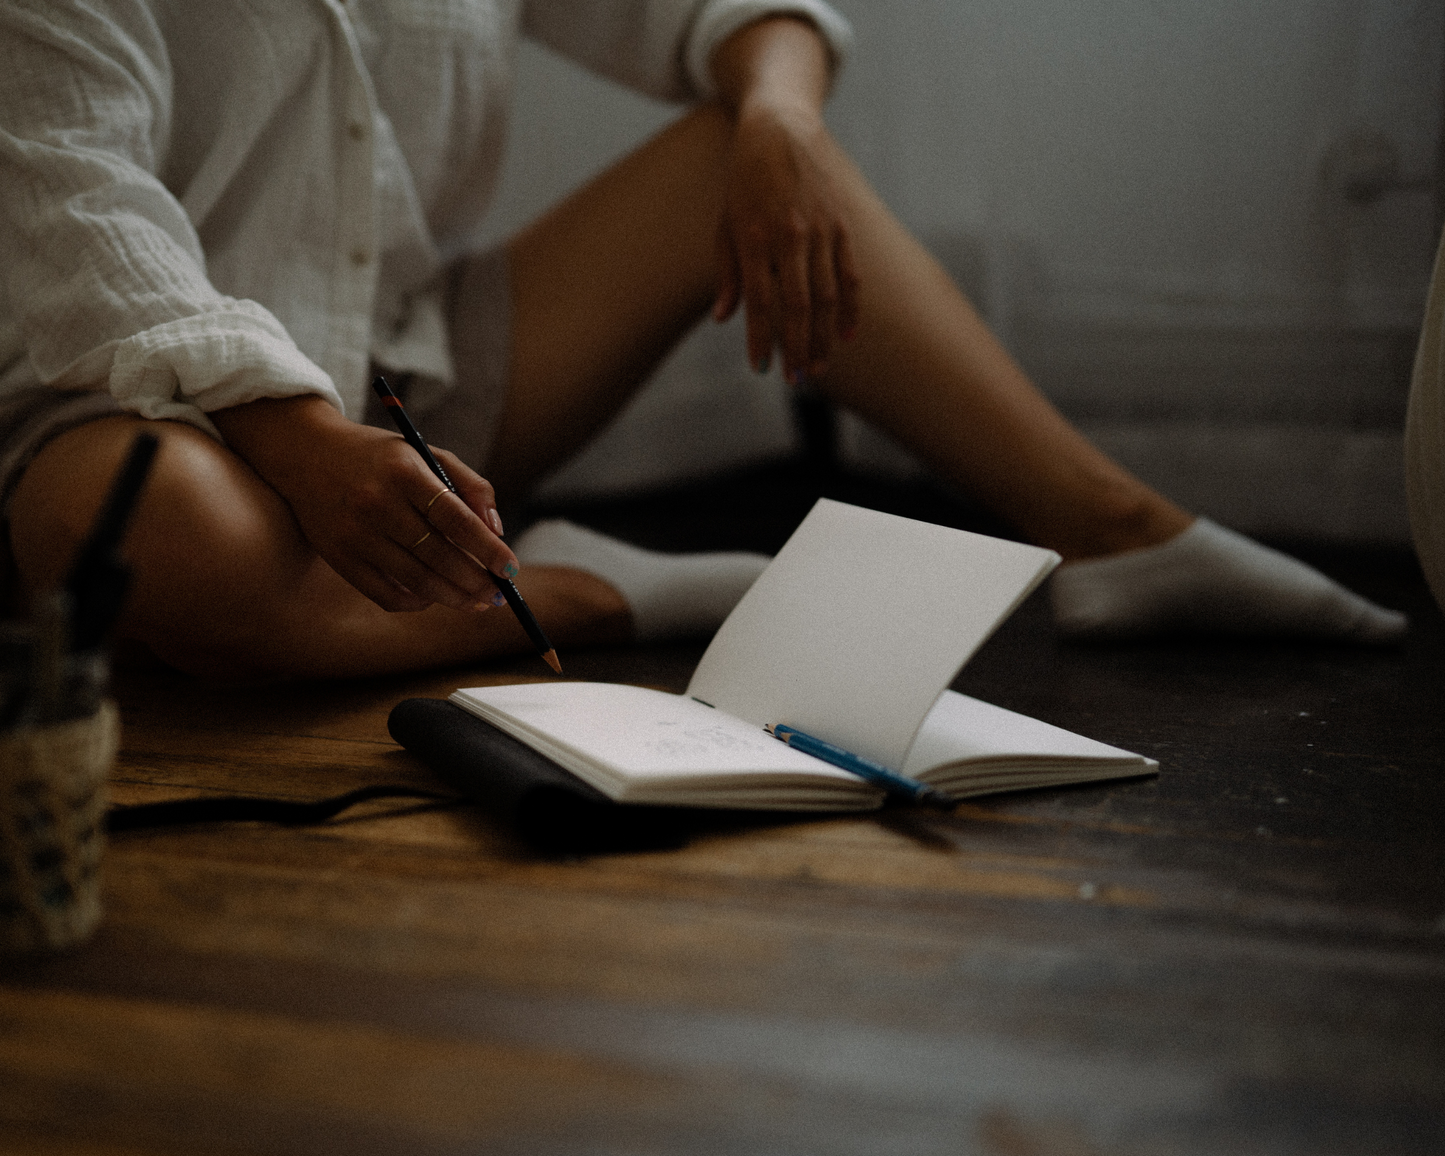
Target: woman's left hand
[{"x": 783, "y": 244}]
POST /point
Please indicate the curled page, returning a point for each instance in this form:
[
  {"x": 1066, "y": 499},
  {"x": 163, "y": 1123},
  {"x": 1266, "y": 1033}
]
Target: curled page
[{"x": 860, "y": 623}]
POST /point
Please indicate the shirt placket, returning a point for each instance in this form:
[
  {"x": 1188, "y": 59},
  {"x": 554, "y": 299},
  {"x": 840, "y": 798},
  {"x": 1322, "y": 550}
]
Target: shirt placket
[{"x": 355, "y": 260}]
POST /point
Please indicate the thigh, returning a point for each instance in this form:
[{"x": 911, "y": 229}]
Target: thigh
[
  {"x": 209, "y": 542},
  {"x": 603, "y": 286},
  {"x": 225, "y": 584}
]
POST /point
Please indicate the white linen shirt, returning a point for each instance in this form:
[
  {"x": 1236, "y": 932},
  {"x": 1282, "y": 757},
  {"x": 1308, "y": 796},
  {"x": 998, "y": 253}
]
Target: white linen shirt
[{"x": 209, "y": 203}]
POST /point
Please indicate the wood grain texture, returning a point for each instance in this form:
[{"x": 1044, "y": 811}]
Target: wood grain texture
[{"x": 1244, "y": 955}]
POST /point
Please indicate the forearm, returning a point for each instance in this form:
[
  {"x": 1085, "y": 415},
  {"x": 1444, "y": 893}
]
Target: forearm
[
  {"x": 781, "y": 62},
  {"x": 280, "y": 437},
  {"x": 783, "y": 240}
]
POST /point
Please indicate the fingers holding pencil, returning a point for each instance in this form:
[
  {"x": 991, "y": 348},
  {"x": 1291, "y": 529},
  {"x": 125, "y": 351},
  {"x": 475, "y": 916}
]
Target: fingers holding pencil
[
  {"x": 475, "y": 492},
  {"x": 468, "y": 515},
  {"x": 400, "y": 551},
  {"x": 452, "y": 539},
  {"x": 368, "y": 504},
  {"x": 501, "y": 576}
]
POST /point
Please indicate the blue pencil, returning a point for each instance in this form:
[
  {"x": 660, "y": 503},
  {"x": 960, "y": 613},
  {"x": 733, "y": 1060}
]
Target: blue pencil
[{"x": 891, "y": 781}]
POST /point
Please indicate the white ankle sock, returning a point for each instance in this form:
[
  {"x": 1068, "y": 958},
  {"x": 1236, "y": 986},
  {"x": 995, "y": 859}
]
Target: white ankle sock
[
  {"x": 1210, "y": 579},
  {"x": 670, "y": 595}
]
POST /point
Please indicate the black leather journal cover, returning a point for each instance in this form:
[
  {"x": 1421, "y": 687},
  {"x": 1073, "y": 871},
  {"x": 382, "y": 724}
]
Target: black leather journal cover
[{"x": 551, "y": 808}]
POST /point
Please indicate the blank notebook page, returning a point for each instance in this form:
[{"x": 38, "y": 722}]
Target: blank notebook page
[{"x": 859, "y": 624}]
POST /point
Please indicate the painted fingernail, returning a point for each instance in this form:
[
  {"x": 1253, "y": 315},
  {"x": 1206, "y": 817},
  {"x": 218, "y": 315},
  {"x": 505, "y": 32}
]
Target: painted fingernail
[
  {"x": 509, "y": 571},
  {"x": 499, "y": 599},
  {"x": 494, "y": 519}
]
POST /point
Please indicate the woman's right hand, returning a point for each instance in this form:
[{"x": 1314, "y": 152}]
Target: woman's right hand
[{"x": 371, "y": 508}]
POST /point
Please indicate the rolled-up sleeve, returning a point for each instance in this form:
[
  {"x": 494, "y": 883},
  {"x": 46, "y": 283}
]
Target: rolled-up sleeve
[
  {"x": 664, "y": 47},
  {"x": 104, "y": 273}
]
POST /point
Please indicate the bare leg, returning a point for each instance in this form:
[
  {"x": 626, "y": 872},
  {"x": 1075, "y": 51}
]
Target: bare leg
[
  {"x": 607, "y": 282},
  {"x": 226, "y": 585}
]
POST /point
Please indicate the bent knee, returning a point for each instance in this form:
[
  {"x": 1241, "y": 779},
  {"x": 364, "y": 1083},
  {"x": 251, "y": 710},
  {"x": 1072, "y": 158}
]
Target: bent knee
[
  {"x": 59, "y": 495},
  {"x": 208, "y": 544},
  {"x": 199, "y": 497}
]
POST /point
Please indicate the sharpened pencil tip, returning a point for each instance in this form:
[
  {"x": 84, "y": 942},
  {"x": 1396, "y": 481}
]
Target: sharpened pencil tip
[{"x": 550, "y": 658}]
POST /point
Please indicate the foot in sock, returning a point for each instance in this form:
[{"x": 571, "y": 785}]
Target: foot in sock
[
  {"x": 670, "y": 595},
  {"x": 1211, "y": 580}
]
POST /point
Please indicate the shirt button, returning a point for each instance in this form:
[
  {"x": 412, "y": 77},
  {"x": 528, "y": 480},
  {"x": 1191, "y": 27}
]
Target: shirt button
[
  {"x": 360, "y": 257},
  {"x": 356, "y": 130}
]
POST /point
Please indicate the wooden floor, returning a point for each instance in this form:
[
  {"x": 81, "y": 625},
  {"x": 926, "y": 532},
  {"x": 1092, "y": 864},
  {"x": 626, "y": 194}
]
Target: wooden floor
[{"x": 1245, "y": 955}]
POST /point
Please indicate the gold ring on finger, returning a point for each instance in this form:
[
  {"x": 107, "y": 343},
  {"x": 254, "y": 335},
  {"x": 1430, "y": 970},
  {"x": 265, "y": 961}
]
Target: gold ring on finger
[
  {"x": 420, "y": 540},
  {"x": 434, "y": 498}
]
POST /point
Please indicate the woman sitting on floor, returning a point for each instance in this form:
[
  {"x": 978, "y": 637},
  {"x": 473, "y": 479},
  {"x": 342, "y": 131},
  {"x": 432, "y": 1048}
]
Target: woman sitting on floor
[{"x": 221, "y": 217}]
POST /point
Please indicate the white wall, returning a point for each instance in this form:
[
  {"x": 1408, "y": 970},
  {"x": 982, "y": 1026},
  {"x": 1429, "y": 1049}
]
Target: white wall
[
  {"x": 1163, "y": 157},
  {"x": 1149, "y": 202}
]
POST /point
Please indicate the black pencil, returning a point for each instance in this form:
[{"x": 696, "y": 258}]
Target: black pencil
[
  {"x": 506, "y": 586},
  {"x": 98, "y": 578}
]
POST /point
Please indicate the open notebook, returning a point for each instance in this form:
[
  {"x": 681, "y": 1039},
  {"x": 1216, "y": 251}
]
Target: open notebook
[{"x": 852, "y": 634}]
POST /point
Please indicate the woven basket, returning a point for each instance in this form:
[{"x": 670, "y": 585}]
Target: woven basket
[{"x": 53, "y": 800}]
